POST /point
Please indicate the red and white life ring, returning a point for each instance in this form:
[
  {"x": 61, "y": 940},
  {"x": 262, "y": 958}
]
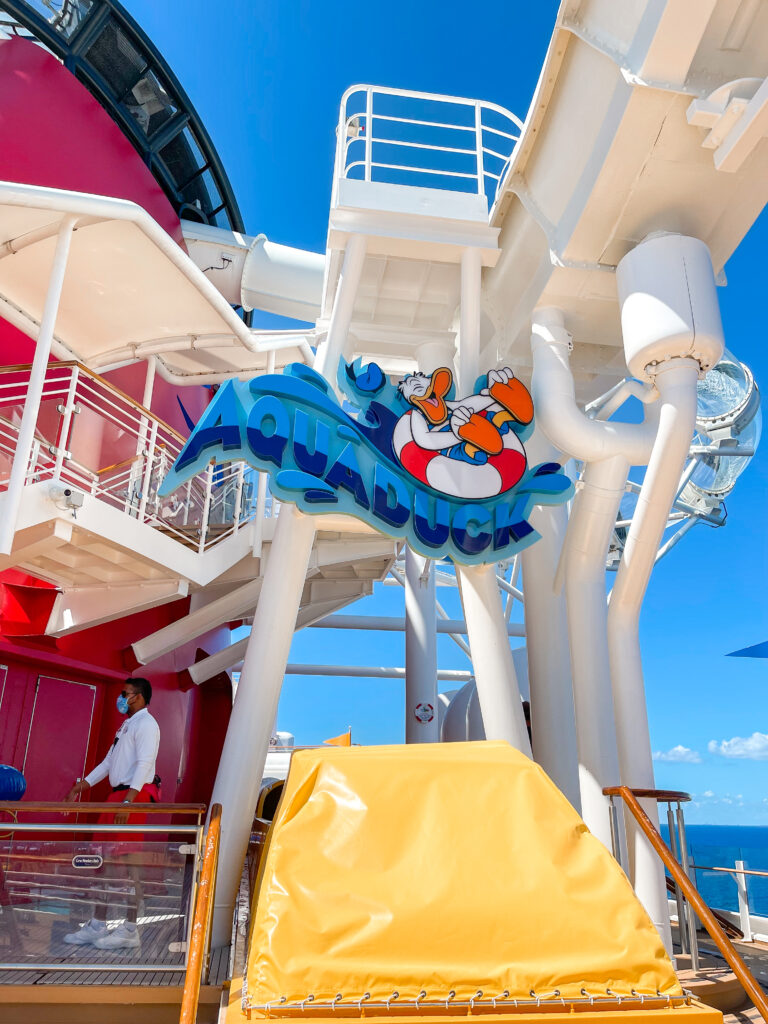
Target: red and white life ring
[{"x": 453, "y": 476}]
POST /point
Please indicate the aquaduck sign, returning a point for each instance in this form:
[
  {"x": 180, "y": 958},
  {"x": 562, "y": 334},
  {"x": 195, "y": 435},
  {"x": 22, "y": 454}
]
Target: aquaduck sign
[{"x": 449, "y": 475}]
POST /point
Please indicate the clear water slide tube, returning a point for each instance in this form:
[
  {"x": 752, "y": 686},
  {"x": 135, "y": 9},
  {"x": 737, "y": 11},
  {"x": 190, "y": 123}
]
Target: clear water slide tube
[{"x": 671, "y": 331}]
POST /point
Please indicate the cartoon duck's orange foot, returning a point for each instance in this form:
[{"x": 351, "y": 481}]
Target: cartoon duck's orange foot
[
  {"x": 514, "y": 397},
  {"x": 482, "y": 434}
]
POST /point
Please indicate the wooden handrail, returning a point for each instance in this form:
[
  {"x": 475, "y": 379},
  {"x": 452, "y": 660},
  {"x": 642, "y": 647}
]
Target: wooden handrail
[
  {"x": 23, "y": 367},
  {"x": 76, "y": 807},
  {"x": 661, "y": 795},
  {"x": 202, "y": 920},
  {"x": 705, "y": 915}
]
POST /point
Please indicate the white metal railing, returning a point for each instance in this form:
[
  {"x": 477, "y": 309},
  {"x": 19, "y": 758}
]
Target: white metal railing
[
  {"x": 421, "y": 138},
  {"x": 83, "y": 416}
]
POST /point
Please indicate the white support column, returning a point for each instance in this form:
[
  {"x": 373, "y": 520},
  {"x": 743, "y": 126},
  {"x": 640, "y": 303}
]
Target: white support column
[
  {"x": 593, "y": 519},
  {"x": 35, "y": 389},
  {"x": 420, "y": 650},
  {"x": 553, "y": 722},
  {"x": 421, "y": 606},
  {"x": 495, "y": 677},
  {"x": 241, "y": 766},
  {"x": 492, "y": 664}
]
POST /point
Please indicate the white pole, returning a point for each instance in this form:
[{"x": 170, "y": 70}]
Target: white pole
[
  {"x": 421, "y": 721},
  {"x": 553, "y": 724},
  {"x": 676, "y": 383},
  {"x": 494, "y": 670},
  {"x": 591, "y": 525},
  {"x": 241, "y": 766},
  {"x": 35, "y": 389},
  {"x": 495, "y": 677}
]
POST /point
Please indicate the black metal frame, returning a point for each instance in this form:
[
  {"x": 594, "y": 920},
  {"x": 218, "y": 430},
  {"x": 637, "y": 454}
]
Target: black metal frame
[{"x": 73, "y": 52}]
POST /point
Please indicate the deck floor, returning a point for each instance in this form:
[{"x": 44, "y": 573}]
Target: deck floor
[{"x": 154, "y": 952}]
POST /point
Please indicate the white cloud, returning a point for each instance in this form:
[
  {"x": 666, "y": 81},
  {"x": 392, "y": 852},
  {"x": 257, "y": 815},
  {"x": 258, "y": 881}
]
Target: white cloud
[
  {"x": 679, "y": 753},
  {"x": 753, "y": 748},
  {"x": 709, "y": 794}
]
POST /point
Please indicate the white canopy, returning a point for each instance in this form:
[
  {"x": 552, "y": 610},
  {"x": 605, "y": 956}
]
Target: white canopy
[{"x": 129, "y": 291}]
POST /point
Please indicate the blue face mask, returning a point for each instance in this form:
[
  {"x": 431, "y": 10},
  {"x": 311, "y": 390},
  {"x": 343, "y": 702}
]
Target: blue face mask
[{"x": 122, "y": 705}]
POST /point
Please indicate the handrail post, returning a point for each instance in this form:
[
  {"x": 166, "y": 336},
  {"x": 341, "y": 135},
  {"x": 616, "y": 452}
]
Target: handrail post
[
  {"x": 206, "y": 507},
  {"x": 479, "y": 147},
  {"x": 62, "y": 447},
  {"x": 693, "y": 938},
  {"x": 238, "y": 496},
  {"x": 368, "y": 132},
  {"x": 681, "y": 918},
  {"x": 147, "y": 476},
  {"x": 741, "y": 885}
]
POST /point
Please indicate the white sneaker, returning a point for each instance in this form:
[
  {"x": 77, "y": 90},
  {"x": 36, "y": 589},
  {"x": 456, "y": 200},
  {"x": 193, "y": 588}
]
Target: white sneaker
[
  {"x": 87, "y": 934},
  {"x": 121, "y": 937}
]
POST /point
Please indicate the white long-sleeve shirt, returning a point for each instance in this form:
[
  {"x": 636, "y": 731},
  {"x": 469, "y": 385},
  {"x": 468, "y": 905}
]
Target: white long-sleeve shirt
[{"x": 132, "y": 756}]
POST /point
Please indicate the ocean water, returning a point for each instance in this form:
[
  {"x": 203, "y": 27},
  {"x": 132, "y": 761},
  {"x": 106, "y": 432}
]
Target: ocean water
[{"x": 720, "y": 846}]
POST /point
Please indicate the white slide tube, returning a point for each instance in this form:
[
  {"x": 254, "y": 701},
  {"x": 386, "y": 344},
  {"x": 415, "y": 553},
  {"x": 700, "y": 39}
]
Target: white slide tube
[
  {"x": 593, "y": 518},
  {"x": 420, "y": 650},
  {"x": 553, "y": 724},
  {"x": 608, "y": 449},
  {"x": 257, "y": 273},
  {"x": 241, "y": 766},
  {"x": 676, "y": 382},
  {"x": 35, "y": 388}
]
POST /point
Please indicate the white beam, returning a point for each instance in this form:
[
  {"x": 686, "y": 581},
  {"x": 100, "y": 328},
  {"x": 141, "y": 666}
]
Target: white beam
[
  {"x": 393, "y": 624},
  {"x": 370, "y": 672},
  {"x": 231, "y": 606},
  {"x": 84, "y": 607}
]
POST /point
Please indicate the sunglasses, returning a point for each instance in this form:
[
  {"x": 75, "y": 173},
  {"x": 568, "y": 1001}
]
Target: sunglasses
[{"x": 128, "y": 693}]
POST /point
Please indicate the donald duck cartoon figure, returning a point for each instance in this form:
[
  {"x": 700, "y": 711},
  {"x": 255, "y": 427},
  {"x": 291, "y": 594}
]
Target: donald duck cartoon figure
[{"x": 467, "y": 448}]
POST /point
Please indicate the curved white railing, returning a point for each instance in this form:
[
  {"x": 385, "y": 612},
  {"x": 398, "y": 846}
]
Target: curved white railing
[{"x": 420, "y": 138}]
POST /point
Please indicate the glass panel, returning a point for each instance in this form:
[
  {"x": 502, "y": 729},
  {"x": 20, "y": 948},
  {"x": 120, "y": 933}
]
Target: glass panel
[
  {"x": 150, "y": 104},
  {"x": 92, "y": 902},
  {"x": 116, "y": 59},
  {"x": 63, "y": 15}
]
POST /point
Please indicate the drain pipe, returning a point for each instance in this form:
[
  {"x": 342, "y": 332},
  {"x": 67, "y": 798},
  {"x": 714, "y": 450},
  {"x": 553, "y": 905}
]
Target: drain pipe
[
  {"x": 672, "y": 331},
  {"x": 608, "y": 449}
]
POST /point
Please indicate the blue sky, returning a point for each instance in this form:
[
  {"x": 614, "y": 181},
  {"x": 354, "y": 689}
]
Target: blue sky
[{"x": 267, "y": 77}]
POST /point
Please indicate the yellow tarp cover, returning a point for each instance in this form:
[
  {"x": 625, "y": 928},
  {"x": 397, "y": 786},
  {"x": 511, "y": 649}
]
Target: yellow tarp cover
[{"x": 431, "y": 868}]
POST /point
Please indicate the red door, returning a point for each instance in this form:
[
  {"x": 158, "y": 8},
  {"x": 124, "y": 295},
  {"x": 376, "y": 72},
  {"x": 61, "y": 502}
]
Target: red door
[{"x": 58, "y": 737}]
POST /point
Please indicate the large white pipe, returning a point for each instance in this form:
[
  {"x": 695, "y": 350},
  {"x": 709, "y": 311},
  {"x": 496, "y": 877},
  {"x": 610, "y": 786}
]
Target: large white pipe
[
  {"x": 421, "y": 726},
  {"x": 241, "y": 766},
  {"x": 676, "y": 382},
  {"x": 593, "y": 518},
  {"x": 671, "y": 327},
  {"x": 608, "y": 449},
  {"x": 35, "y": 388},
  {"x": 553, "y": 724},
  {"x": 257, "y": 273}
]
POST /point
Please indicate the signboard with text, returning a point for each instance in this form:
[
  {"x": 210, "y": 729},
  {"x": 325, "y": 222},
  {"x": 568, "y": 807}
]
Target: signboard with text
[{"x": 449, "y": 475}]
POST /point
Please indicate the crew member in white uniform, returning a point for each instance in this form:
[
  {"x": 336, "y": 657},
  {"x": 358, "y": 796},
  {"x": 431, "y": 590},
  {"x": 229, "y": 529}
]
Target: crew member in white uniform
[{"x": 130, "y": 765}]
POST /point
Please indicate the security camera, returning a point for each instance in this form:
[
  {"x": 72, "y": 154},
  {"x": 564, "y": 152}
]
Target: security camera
[{"x": 72, "y": 498}]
